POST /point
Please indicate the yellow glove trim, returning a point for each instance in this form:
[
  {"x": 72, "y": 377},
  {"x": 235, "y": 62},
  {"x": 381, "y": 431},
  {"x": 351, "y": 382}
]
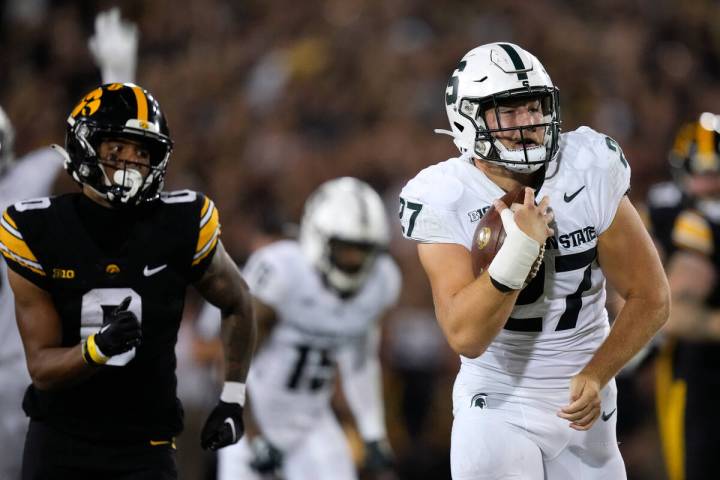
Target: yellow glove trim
[{"x": 94, "y": 351}]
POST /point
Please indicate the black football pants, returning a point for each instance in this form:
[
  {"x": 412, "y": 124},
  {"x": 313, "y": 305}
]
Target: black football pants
[{"x": 53, "y": 455}]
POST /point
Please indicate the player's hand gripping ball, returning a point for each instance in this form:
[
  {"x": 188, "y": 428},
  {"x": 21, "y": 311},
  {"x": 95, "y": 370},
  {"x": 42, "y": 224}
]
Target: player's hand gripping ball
[{"x": 490, "y": 234}]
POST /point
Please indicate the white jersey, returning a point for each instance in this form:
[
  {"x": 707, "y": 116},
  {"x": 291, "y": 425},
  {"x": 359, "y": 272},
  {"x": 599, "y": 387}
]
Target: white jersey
[
  {"x": 292, "y": 376},
  {"x": 559, "y": 320}
]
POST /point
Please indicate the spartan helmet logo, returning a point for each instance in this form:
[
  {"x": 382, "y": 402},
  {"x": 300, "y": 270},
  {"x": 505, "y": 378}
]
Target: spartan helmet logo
[{"x": 479, "y": 400}]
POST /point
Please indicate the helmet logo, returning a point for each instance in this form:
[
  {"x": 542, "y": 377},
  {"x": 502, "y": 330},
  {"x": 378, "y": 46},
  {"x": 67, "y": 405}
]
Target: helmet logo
[
  {"x": 89, "y": 104},
  {"x": 452, "y": 95},
  {"x": 115, "y": 86},
  {"x": 112, "y": 269},
  {"x": 483, "y": 237}
]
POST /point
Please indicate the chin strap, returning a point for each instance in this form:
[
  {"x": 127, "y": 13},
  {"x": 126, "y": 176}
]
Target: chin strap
[
  {"x": 66, "y": 158},
  {"x": 442, "y": 131}
]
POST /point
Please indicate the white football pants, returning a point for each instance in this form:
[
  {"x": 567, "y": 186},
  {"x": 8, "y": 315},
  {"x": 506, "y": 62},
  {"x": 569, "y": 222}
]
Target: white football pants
[
  {"x": 503, "y": 437},
  {"x": 323, "y": 454}
]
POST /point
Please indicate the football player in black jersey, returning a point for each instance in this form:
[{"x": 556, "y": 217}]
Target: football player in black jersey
[
  {"x": 99, "y": 279},
  {"x": 685, "y": 220}
]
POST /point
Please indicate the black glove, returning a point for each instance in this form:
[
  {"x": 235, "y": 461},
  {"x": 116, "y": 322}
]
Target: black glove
[
  {"x": 223, "y": 427},
  {"x": 121, "y": 332},
  {"x": 378, "y": 456},
  {"x": 267, "y": 460}
]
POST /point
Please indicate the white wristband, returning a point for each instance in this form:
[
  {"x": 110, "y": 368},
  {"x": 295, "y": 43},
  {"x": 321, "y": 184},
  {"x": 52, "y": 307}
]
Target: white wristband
[
  {"x": 516, "y": 257},
  {"x": 233, "y": 392}
]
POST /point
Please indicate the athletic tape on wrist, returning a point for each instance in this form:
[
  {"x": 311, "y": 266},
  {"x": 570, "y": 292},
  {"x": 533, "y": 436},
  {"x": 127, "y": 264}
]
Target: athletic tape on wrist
[
  {"x": 516, "y": 257},
  {"x": 233, "y": 392}
]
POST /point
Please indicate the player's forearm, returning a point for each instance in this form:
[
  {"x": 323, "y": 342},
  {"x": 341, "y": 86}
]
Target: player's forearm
[
  {"x": 363, "y": 391},
  {"x": 252, "y": 429},
  {"x": 58, "y": 367},
  {"x": 638, "y": 321},
  {"x": 475, "y": 315},
  {"x": 238, "y": 336}
]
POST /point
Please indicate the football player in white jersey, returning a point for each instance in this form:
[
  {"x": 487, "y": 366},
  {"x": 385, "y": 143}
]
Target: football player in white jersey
[
  {"x": 535, "y": 396},
  {"x": 114, "y": 49},
  {"x": 325, "y": 295}
]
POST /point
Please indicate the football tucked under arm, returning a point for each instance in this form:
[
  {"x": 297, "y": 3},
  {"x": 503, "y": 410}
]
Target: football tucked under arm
[{"x": 516, "y": 264}]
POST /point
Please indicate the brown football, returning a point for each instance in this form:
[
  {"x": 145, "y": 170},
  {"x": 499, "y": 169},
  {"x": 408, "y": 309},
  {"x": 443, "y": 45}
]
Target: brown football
[{"x": 490, "y": 234}]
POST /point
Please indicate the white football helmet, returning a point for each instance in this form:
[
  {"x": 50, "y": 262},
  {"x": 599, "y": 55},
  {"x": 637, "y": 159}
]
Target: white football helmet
[
  {"x": 7, "y": 141},
  {"x": 348, "y": 211},
  {"x": 485, "y": 77}
]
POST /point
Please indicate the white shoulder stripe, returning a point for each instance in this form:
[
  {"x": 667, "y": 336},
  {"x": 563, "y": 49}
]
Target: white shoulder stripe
[
  {"x": 208, "y": 214},
  {"x": 208, "y": 245},
  {"x": 6, "y": 225},
  {"x": 21, "y": 260}
]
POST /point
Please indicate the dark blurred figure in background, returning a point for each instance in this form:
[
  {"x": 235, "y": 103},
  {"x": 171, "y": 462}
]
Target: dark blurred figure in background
[
  {"x": 420, "y": 366},
  {"x": 685, "y": 220}
]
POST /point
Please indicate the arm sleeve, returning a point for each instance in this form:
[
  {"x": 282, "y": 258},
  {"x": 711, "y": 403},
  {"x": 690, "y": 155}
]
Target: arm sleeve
[
  {"x": 611, "y": 183},
  {"x": 361, "y": 376},
  {"x": 265, "y": 278},
  {"x": 32, "y": 176},
  {"x": 16, "y": 251},
  {"x": 208, "y": 236},
  {"x": 427, "y": 209}
]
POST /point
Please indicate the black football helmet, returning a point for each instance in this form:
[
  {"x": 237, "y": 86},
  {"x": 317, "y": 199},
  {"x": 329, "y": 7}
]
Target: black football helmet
[
  {"x": 117, "y": 111},
  {"x": 696, "y": 149}
]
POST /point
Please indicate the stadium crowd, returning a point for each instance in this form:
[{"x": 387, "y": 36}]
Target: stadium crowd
[{"x": 267, "y": 99}]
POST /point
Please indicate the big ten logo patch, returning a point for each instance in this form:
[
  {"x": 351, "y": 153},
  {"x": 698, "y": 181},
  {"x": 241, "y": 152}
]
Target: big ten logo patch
[
  {"x": 476, "y": 215},
  {"x": 63, "y": 273}
]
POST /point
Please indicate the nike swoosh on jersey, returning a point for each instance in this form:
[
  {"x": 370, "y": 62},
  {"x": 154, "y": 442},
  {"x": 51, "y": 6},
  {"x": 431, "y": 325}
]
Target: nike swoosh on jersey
[
  {"x": 148, "y": 272},
  {"x": 607, "y": 416},
  {"x": 569, "y": 198}
]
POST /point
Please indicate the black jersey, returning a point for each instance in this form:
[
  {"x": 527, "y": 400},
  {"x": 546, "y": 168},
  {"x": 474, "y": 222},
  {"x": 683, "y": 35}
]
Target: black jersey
[
  {"x": 89, "y": 258},
  {"x": 678, "y": 225}
]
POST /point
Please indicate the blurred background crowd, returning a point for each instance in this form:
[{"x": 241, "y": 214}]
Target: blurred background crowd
[{"x": 268, "y": 98}]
